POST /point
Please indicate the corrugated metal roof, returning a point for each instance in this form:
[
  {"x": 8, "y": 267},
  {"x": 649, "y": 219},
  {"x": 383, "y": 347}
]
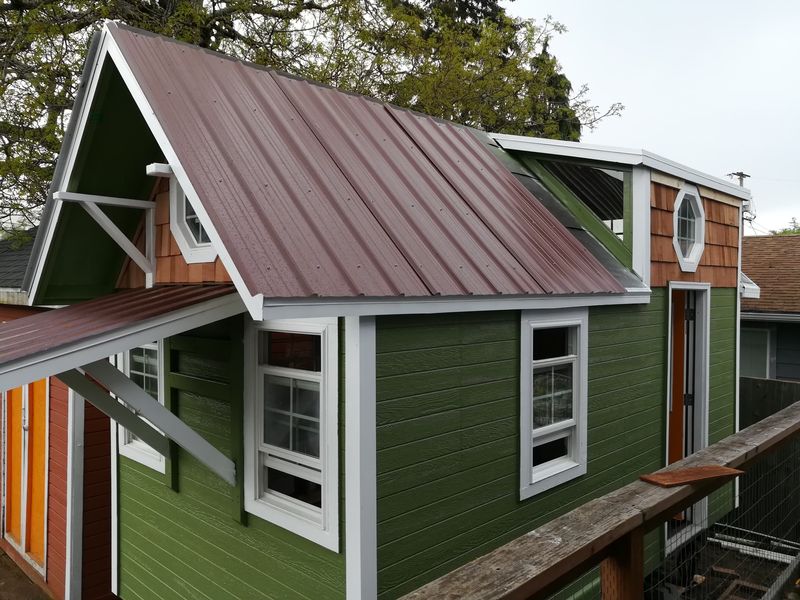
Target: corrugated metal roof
[
  {"x": 316, "y": 192},
  {"x": 55, "y": 329}
]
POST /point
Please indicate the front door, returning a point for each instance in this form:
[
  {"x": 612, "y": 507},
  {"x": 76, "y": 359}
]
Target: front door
[
  {"x": 686, "y": 419},
  {"x": 25, "y": 470}
]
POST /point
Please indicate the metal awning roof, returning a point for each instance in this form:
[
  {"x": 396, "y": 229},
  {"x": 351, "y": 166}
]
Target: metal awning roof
[{"x": 52, "y": 342}]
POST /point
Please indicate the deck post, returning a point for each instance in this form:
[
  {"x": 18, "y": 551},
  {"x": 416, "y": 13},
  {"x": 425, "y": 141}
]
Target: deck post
[{"x": 622, "y": 572}]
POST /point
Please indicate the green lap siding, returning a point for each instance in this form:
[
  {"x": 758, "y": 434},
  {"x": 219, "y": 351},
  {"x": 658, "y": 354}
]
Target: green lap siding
[
  {"x": 722, "y": 385},
  {"x": 448, "y": 432},
  {"x": 189, "y": 544}
]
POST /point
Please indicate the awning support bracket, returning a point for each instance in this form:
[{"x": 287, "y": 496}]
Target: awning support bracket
[
  {"x": 90, "y": 202},
  {"x": 99, "y": 398},
  {"x": 173, "y": 428}
]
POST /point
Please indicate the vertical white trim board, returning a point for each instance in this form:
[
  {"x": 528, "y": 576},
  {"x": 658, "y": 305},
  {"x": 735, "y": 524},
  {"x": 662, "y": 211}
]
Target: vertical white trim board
[
  {"x": 74, "y": 558},
  {"x": 361, "y": 539},
  {"x": 114, "y": 507}
]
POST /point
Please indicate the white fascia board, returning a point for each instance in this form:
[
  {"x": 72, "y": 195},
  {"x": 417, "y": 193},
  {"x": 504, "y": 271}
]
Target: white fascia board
[
  {"x": 623, "y": 156},
  {"x": 69, "y": 155},
  {"x": 275, "y": 309},
  {"x": 779, "y": 317},
  {"x": 82, "y": 352},
  {"x": 254, "y": 303}
]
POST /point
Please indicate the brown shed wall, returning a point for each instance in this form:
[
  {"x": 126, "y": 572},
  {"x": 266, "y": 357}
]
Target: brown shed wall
[
  {"x": 96, "y": 505},
  {"x": 719, "y": 264},
  {"x": 170, "y": 265},
  {"x": 57, "y": 489}
]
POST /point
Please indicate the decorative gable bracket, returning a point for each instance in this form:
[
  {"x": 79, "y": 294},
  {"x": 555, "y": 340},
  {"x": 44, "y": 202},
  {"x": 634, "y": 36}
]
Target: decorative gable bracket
[{"x": 147, "y": 261}]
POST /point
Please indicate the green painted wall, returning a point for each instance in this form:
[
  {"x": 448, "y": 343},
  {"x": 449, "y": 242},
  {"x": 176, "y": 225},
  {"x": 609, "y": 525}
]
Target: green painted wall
[
  {"x": 190, "y": 543},
  {"x": 722, "y": 385},
  {"x": 448, "y": 420}
]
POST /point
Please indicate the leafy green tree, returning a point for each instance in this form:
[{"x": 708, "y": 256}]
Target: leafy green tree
[
  {"x": 793, "y": 229},
  {"x": 464, "y": 60}
]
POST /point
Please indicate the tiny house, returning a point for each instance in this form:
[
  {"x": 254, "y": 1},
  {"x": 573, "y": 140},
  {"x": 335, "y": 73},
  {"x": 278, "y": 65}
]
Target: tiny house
[{"x": 353, "y": 346}]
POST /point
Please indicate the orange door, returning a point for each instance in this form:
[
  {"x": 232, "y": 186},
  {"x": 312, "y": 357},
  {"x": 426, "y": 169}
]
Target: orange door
[
  {"x": 26, "y": 469},
  {"x": 675, "y": 444}
]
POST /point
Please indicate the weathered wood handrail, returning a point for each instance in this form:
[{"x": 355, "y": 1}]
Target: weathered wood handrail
[{"x": 566, "y": 547}]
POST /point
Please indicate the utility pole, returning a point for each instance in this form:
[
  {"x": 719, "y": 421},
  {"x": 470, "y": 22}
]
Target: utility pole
[{"x": 740, "y": 175}]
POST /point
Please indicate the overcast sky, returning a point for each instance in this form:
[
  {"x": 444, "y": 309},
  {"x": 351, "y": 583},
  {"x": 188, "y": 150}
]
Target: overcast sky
[{"x": 713, "y": 85}]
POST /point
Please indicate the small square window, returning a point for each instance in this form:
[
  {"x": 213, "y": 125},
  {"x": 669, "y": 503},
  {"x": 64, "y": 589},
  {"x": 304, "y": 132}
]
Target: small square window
[{"x": 143, "y": 366}]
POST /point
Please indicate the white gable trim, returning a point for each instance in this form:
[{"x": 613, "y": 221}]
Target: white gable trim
[
  {"x": 108, "y": 47},
  {"x": 69, "y": 154},
  {"x": 254, "y": 303}
]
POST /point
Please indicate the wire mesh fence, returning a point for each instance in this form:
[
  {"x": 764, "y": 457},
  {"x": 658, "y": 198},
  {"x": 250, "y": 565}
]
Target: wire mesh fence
[{"x": 741, "y": 543}]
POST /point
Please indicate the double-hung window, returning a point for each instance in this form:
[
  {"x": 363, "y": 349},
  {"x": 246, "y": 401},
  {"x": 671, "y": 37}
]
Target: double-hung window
[
  {"x": 290, "y": 421},
  {"x": 552, "y": 398},
  {"x": 143, "y": 366}
]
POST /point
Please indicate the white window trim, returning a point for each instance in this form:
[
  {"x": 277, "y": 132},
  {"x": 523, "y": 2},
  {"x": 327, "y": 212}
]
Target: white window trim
[
  {"x": 193, "y": 252},
  {"x": 322, "y": 529},
  {"x": 137, "y": 450},
  {"x": 547, "y": 476},
  {"x": 689, "y": 263}
]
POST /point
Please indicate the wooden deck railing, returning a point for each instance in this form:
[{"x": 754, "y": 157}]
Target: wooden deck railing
[{"x": 607, "y": 530}]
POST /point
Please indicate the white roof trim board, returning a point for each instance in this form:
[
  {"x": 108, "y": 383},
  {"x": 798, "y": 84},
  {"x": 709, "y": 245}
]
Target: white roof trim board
[
  {"x": 624, "y": 156},
  {"x": 748, "y": 288}
]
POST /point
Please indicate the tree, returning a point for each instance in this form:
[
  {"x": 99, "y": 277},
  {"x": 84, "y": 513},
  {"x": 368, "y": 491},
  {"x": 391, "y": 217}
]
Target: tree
[
  {"x": 464, "y": 60},
  {"x": 793, "y": 229}
]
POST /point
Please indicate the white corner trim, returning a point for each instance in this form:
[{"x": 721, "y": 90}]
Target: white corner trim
[
  {"x": 544, "y": 478},
  {"x": 253, "y": 302},
  {"x": 625, "y": 156},
  {"x": 690, "y": 193},
  {"x": 641, "y": 223},
  {"x": 114, "y": 508},
  {"x": 360, "y": 456},
  {"x": 74, "y": 525}
]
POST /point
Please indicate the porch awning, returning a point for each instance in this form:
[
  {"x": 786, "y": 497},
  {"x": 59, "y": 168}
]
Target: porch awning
[{"x": 55, "y": 341}]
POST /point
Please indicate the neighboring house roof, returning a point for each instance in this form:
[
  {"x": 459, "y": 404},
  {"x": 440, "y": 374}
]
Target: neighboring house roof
[
  {"x": 773, "y": 262},
  {"x": 13, "y": 261},
  {"x": 319, "y": 193}
]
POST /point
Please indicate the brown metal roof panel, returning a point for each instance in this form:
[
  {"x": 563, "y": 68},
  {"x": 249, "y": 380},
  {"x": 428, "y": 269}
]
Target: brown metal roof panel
[
  {"x": 454, "y": 252},
  {"x": 53, "y": 329},
  {"x": 318, "y": 192},
  {"x": 543, "y": 246},
  {"x": 290, "y": 220}
]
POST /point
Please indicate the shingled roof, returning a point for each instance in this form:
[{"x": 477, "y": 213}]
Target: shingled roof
[
  {"x": 13, "y": 261},
  {"x": 319, "y": 193},
  {"x": 773, "y": 262}
]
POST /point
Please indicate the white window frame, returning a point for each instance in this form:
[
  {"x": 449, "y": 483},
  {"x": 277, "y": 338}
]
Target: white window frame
[
  {"x": 193, "y": 252},
  {"x": 534, "y": 480},
  {"x": 135, "y": 449},
  {"x": 690, "y": 262},
  {"x": 320, "y": 526}
]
